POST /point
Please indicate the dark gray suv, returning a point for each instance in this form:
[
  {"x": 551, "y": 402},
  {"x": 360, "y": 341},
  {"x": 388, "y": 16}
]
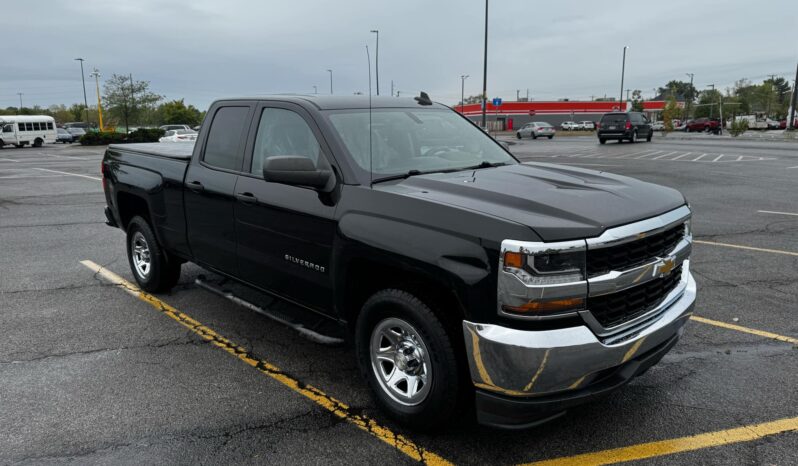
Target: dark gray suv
[{"x": 631, "y": 126}]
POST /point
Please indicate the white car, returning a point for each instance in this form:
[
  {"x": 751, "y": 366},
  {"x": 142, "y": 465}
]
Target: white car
[
  {"x": 588, "y": 125},
  {"x": 569, "y": 126},
  {"x": 171, "y": 127},
  {"x": 658, "y": 126},
  {"x": 535, "y": 129},
  {"x": 179, "y": 135}
]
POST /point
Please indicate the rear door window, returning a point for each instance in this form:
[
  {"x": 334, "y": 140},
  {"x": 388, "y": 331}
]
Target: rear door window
[
  {"x": 222, "y": 150},
  {"x": 615, "y": 119}
]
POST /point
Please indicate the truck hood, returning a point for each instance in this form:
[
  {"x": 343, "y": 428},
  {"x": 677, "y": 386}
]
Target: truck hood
[{"x": 558, "y": 203}]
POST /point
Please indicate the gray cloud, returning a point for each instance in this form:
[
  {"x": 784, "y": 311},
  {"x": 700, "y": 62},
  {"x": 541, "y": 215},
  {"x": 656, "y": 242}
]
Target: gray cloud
[{"x": 202, "y": 50}]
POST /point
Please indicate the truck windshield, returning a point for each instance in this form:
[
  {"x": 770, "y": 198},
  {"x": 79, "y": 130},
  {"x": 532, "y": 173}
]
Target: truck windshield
[{"x": 410, "y": 141}]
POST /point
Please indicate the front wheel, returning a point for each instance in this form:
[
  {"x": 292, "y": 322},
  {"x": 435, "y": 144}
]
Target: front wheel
[
  {"x": 518, "y": 135},
  {"x": 602, "y": 141},
  {"x": 650, "y": 135},
  {"x": 408, "y": 360},
  {"x": 152, "y": 268},
  {"x": 633, "y": 139}
]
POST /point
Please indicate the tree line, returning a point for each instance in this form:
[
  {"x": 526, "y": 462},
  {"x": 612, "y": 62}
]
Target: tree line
[{"x": 125, "y": 103}]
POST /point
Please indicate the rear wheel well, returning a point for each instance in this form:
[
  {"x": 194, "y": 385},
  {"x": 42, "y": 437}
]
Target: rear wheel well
[{"x": 129, "y": 206}]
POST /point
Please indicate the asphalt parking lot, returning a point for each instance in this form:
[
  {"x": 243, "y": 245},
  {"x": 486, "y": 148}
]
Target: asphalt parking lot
[{"x": 93, "y": 373}]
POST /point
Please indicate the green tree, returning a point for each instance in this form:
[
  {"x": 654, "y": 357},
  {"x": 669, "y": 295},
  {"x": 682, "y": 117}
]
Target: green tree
[
  {"x": 707, "y": 104},
  {"x": 176, "y": 112},
  {"x": 126, "y": 99},
  {"x": 670, "y": 112},
  {"x": 680, "y": 90},
  {"x": 78, "y": 112}
]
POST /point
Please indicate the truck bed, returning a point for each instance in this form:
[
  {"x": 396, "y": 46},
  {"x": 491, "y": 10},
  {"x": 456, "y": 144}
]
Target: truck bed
[{"x": 172, "y": 150}]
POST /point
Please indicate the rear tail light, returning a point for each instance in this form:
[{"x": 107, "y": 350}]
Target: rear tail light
[{"x": 628, "y": 125}]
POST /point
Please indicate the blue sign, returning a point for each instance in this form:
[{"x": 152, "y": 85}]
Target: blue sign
[{"x": 497, "y": 101}]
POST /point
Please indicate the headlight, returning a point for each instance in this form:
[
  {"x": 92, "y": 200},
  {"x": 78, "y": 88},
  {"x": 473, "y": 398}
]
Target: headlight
[
  {"x": 546, "y": 269},
  {"x": 688, "y": 228}
]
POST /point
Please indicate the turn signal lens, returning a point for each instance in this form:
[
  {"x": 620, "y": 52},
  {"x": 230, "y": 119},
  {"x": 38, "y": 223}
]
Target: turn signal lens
[
  {"x": 547, "y": 307},
  {"x": 513, "y": 259}
]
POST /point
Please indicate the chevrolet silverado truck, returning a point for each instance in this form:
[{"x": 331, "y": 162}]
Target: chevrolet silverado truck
[{"x": 462, "y": 276}]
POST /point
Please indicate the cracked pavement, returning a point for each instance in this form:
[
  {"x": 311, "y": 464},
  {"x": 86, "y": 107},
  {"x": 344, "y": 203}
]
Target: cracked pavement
[{"x": 91, "y": 375}]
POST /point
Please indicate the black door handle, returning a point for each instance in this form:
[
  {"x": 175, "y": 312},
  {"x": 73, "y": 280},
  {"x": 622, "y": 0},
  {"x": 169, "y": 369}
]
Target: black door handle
[
  {"x": 195, "y": 186},
  {"x": 246, "y": 198}
]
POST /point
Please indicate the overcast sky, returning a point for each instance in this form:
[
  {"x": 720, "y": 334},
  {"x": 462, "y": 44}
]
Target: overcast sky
[{"x": 202, "y": 50}]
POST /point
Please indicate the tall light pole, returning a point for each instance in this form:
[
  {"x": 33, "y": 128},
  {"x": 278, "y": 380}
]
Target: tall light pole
[
  {"x": 689, "y": 102},
  {"x": 377, "y": 59},
  {"x": 315, "y": 89},
  {"x": 623, "y": 71},
  {"x": 20, "y": 101},
  {"x": 96, "y": 76},
  {"x": 485, "y": 71},
  {"x": 462, "y": 91},
  {"x": 713, "y": 91},
  {"x": 83, "y": 78},
  {"x": 331, "y": 90},
  {"x": 794, "y": 101}
]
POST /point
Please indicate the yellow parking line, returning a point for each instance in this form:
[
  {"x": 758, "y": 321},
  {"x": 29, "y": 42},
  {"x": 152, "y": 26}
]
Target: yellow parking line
[
  {"x": 749, "y": 248},
  {"x": 336, "y": 407},
  {"x": 677, "y": 445},
  {"x": 740, "y": 328}
]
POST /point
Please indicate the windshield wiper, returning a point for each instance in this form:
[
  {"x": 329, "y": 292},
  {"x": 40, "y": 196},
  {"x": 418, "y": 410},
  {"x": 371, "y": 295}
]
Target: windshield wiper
[
  {"x": 401, "y": 176},
  {"x": 484, "y": 164}
]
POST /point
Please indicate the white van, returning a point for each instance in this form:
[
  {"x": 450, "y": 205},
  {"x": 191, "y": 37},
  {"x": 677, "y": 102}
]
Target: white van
[{"x": 21, "y": 130}]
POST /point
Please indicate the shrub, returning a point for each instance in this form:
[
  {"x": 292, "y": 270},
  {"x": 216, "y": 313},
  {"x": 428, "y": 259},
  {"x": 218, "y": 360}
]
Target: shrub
[
  {"x": 104, "y": 138},
  {"x": 738, "y": 127},
  {"x": 145, "y": 135}
]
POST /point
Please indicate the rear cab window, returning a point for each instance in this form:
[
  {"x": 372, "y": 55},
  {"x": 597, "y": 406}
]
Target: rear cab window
[
  {"x": 614, "y": 119},
  {"x": 222, "y": 149}
]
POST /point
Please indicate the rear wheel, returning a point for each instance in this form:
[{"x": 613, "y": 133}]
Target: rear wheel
[
  {"x": 551, "y": 137},
  {"x": 38, "y": 142},
  {"x": 633, "y": 139},
  {"x": 534, "y": 136},
  {"x": 650, "y": 135},
  {"x": 152, "y": 268},
  {"x": 408, "y": 359},
  {"x": 518, "y": 135}
]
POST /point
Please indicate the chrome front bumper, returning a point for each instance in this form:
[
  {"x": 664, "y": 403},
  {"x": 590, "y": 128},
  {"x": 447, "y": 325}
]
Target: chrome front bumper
[{"x": 522, "y": 363}]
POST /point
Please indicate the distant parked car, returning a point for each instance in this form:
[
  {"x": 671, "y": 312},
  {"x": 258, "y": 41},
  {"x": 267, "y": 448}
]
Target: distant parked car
[
  {"x": 631, "y": 126},
  {"x": 569, "y": 126},
  {"x": 76, "y": 131},
  {"x": 588, "y": 125},
  {"x": 535, "y": 129},
  {"x": 179, "y": 135},
  {"x": 172, "y": 127},
  {"x": 658, "y": 126},
  {"x": 64, "y": 136},
  {"x": 698, "y": 125}
]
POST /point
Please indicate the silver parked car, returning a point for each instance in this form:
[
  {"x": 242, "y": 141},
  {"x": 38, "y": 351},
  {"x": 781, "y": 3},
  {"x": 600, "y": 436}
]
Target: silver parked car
[{"x": 535, "y": 129}]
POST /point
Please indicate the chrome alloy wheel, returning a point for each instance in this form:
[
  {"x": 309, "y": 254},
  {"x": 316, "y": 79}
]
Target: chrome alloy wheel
[
  {"x": 140, "y": 251},
  {"x": 400, "y": 361}
]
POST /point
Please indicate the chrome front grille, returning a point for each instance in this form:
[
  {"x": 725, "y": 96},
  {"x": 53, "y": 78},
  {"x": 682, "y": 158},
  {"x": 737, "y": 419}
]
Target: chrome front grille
[{"x": 632, "y": 254}]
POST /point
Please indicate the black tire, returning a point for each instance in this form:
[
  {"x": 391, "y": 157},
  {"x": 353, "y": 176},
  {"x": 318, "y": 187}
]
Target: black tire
[
  {"x": 38, "y": 142},
  {"x": 534, "y": 136},
  {"x": 633, "y": 138},
  {"x": 551, "y": 137},
  {"x": 444, "y": 393},
  {"x": 162, "y": 272},
  {"x": 602, "y": 141},
  {"x": 650, "y": 135},
  {"x": 518, "y": 135}
]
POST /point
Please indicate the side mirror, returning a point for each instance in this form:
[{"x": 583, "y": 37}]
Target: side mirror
[{"x": 296, "y": 170}]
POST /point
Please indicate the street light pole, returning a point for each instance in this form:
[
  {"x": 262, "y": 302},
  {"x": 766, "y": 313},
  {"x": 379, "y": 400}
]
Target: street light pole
[
  {"x": 331, "y": 89},
  {"x": 85, "y": 100},
  {"x": 794, "y": 100},
  {"x": 20, "y": 101},
  {"x": 377, "y": 59},
  {"x": 462, "y": 91},
  {"x": 623, "y": 71},
  {"x": 96, "y": 76},
  {"x": 689, "y": 102},
  {"x": 485, "y": 72}
]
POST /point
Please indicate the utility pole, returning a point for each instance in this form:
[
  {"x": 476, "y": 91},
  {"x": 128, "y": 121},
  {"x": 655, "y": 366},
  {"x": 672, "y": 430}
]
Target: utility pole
[
  {"x": 462, "y": 91},
  {"x": 331, "y": 89},
  {"x": 397, "y": 92},
  {"x": 517, "y": 94},
  {"x": 689, "y": 102},
  {"x": 377, "y": 59},
  {"x": 770, "y": 94},
  {"x": 315, "y": 89},
  {"x": 85, "y": 100},
  {"x": 592, "y": 98},
  {"x": 627, "y": 94},
  {"x": 710, "y": 107},
  {"x": 130, "y": 105},
  {"x": 485, "y": 72},
  {"x": 96, "y": 76},
  {"x": 794, "y": 100},
  {"x": 391, "y": 87},
  {"x": 623, "y": 71},
  {"x": 527, "y": 94},
  {"x": 20, "y": 101}
]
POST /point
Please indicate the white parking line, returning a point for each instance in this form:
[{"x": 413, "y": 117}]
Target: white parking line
[
  {"x": 70, "y": 174},
  {"x": 664, "y": 155},
  {"x": 718, "y": 158},
  {"x": 683, "y": 155},
  {"x": 699, "y": 158},
  {"x": 776, "y": 213},
  {"x": 646, "y": 155},
  {"x": 792, "y": 167},
  {"x": 9, "y": 160}
]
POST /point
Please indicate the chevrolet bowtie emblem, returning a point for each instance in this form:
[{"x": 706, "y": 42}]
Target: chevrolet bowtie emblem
[{"x": 666, "y": 266}]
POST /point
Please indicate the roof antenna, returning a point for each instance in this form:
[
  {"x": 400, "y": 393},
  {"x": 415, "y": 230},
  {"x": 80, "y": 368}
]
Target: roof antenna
[
  {"x": 371, "y": 163},
  {"x": 423, "y": 99}
]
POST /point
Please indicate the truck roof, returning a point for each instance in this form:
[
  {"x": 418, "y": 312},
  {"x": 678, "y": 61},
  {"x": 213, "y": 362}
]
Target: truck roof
[{"x": 334, "y": 102}]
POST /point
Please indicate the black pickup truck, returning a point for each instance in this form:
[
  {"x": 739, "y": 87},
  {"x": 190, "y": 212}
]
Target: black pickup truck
[{"x": 462, "y": 276}]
